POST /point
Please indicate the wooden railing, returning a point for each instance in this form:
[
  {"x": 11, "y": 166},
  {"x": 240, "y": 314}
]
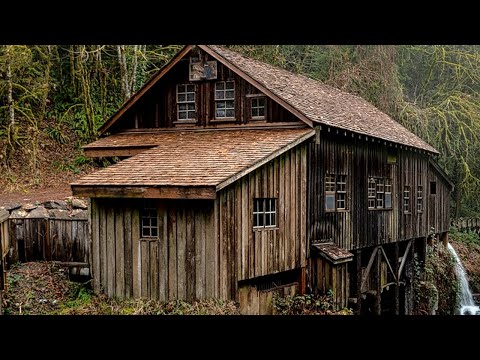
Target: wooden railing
[{"x": 467, "y": 224}]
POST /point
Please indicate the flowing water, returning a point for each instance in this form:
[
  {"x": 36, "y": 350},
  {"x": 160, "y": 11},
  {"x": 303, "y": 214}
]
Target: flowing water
[{"x": 467, "y": 305}]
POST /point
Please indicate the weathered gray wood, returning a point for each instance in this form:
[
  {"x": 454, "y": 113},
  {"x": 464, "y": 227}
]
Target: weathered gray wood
[
  {"x": 128, "y": 252},
  {"x": 119, "y": 254},
  {"x": 181, "y": 253},
  {"x": 200, "y": 260},
  {"x": 369, "y": 266},
  {"x": 404, "y": 259},
  {"x": 190, "y": 254},
  {"x": 111, "y": 269},
  {"x": 153, "y": 272},
  {"x": 136, "y": 261},
  {"x": 163, "y": 253},
  {"x": 144, "y": 268},
  {"x": 210, "y": 253},
  {"x": 172, "y": 253}
]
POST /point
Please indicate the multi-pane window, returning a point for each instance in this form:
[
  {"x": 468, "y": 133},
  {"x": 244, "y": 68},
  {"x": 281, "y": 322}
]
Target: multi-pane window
[
  {"x": 264, "y": 213},
  {"x": 186, "y": 102},
  {"x": 406, "y": 199},
  {"x": 335, "y": 192},
  {"x": 419, "y": 198},
  {"x": 224, "y": 99},
  {"x": 258, "y": 107},
  {"x": 149, "y": 222},
  {"x": 379, "y": 193}
]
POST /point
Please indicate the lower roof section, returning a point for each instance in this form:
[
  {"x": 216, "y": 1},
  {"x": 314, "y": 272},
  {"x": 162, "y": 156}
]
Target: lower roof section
[{"x": 190, "y": 165}]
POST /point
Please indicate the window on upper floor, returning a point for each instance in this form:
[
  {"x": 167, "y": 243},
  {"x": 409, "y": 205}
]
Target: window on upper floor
[
  {"x": 433, "y": 187},
  {"x": 258, "y": 108},
  {"x": 335, "y": 192},
  {"x": 149, "y": 221},
  {"x": 379, "y": 193},
  {"x": 420, "y": 198},
  {"x": 186, "y": 102},
  {"x": 225, "y": 100},
  {"x": 264, "y": 213},
  {"x": 406, "y": 200}
]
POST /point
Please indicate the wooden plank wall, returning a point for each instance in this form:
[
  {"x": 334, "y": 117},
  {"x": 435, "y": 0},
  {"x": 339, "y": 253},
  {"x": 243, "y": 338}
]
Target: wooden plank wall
[
  {"x": 325, "y": 276},
  {"x": 246, "y": 253},
  {"x": 438, "y": 204},
  {"x": 158, "y": 108},
  {"x": 182, "y": 263},
  {"x": 359, "y": 227},
  {"x": 33, "y": 239},
  {"x": 254, "y": 302}
]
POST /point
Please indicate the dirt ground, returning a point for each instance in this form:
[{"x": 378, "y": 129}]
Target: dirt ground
[{"x": 41, "y": 194}]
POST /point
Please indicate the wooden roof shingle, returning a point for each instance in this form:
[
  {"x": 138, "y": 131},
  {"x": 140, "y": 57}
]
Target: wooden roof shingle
[
  {"x": 321, "y": 103},
  {"x": 197, "y": 158}
]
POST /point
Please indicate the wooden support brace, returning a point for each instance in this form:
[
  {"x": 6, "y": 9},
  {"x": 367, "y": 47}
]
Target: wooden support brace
[
  {"x": 404, "y": 258},
  {"x": 388, "y": 264},
  {"x": 369, "y": 266}
]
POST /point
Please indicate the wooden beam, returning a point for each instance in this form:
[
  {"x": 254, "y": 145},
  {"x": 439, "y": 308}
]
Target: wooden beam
[
  {"x": 369, "y": 266},
  {"x": 388, "y": 264},
  {"x": 263, "y": 161},
  {"x": 164, "y": 192},
  {"x": 4, "y": 214},
  {"x": 257, "y": 84},
  {"x": 404, "y": 258},
  {"x": 133, "y": 99}
]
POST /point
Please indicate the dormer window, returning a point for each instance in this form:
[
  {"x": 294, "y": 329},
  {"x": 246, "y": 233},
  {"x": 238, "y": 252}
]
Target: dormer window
[
  {"x": 224, "y": 100},
  {"x": 258, "y": 108},
  {"x": 186, "y": 102}
]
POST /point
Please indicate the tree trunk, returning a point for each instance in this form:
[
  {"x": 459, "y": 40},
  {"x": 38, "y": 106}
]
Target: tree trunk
[
  {"x": 122, "y": 61},
  {"x": 11, "y": 109}
]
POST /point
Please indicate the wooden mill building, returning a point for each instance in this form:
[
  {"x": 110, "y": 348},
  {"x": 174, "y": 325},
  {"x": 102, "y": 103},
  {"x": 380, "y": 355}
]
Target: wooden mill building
[{"x": 240, "y": 179}]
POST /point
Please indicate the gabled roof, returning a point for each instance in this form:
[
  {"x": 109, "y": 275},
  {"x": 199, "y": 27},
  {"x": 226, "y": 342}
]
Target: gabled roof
[
  {"x": 208, "y": 159},
  {"x": 311, "y": 100}
]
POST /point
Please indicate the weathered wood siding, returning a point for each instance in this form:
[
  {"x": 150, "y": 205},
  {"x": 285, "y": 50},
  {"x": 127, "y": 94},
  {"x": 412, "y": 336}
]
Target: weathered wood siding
[
  {"x": 359, "y": 227},
  {"x": 182, "y": 263},
  {"x": 158, "y": 107},
  {"x": 438, "y": 204},
  {"x": 326, "y": 276},
  {"x": 4, "y": 245},
  {"x": 33, "y": 239},
  {"x": 255, "y": 302},
  {"x": 246, "y": 253}
]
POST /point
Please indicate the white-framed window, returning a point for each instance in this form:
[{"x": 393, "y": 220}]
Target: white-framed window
[
  {"x": 148, "y": 221},
  {"x": 335, "y": 192},
  {"x": 258, "y": 107},
  {"x": 224, "y": 100},
  {"x": 420, "y": 198},
  {"x": 406, "y": 199},
  {"x": 264, "y": 213},
  {"x": 379, "y": 193},
  {"x": 186, "y": 102}
]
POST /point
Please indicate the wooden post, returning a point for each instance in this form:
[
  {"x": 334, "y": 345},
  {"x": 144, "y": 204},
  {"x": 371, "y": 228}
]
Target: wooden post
[
  {"x": 358, "y": 259},
  {"x": 444, "y": 238},
  {"x": 378, "y": 287},
  {"x": 1, "y": 302},
  {"x": 397, "y": 285}
]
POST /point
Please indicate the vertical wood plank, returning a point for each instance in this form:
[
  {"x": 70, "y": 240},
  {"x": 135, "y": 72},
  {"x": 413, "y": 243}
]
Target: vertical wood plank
[
  {"x": 181, "y": 253},
  {"x": 144, "y": 268},
  {"x": 245, "y": 229},
  {"x": 190, "y": 254},
  {"x": 111, "y": 269},
  {"x": 172, "y": 252},
  {"x": 119, "y": 254},
  {"x": 128, "y": 252},
  {"x": 210, "y": 244},
  {"x": 153, "y": 270},
  {"x": 163, "y": 252},
  {"x": 281, "y": 214},
  {"x": 200, "y": 247},
  {"x": 303, "y": 205},
  {"x": 136, "y": 261}
]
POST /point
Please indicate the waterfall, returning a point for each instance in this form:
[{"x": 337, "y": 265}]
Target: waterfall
[{"x": 467, "y": 305}]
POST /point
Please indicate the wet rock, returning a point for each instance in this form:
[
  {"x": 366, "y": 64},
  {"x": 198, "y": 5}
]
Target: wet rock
[
  {"x": 38, "y": 212},
  {"x": 79, "y": 204},
  {"x": 58, "y": 214},
  {"x": 79, "y": 214},
  {"x": 18, "y": 214},
  {"x": 55, "y": 204},
  {"x": 13, "y": 206},
  {"x": 29, "y": 207}
]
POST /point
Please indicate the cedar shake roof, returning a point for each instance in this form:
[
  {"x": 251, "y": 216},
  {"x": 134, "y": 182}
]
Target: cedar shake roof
[
  {"x": 321, "y": 103},
  {"x": 196, "y": 158}
]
